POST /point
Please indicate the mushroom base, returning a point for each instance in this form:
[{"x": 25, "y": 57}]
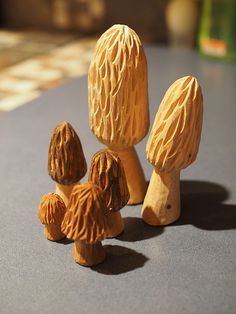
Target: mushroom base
[
  {"x": 87, "y": 254},
  {"x": 135, "y": 178},
  {"x": 115, "y": 224},
  {"x": 53, "y": 232},
  {"x": 64, "y": 191},
  {"x": 162, "y": 202}
]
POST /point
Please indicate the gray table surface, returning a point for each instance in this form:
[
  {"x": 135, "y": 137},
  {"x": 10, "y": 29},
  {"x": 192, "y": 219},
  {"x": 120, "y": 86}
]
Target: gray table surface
[{"x": 188, "y": 267}]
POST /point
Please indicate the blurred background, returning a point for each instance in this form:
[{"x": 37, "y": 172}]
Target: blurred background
[{"x": 44, "y": 42}]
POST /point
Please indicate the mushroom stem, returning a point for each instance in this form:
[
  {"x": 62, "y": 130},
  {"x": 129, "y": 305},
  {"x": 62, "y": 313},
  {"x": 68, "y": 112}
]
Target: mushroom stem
[
  {"x": 162, "y": 202},
  {"x": 115, "y": 224},
  {"x": 135, "y": 178},
  {"x": 88, "y": 254},
  {"x": 53, "y": 232},
  {"x": 64, "y": 191}
]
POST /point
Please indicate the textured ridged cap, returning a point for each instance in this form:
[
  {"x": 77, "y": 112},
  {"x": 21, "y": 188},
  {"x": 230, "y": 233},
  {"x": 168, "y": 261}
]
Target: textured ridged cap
[
  {"x": 118, "y": 90},
  {"x": 51, "y": 209},
  {"x": 85, "y": 216},
  {"x": 66, "y": 161},
  {"x": 175, "y": 136},
  {"x": 106, "y": 170}
]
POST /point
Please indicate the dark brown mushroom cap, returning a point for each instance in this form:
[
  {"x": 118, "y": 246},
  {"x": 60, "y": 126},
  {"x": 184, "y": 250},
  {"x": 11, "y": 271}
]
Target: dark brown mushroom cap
[
  {"x": 175, "y": 136},
  {"x": 66, "y": 161},
  {"x": 106, "y": 171},
  {"x": 85, "y": 217},
  {"x": 51, "y": 209}
]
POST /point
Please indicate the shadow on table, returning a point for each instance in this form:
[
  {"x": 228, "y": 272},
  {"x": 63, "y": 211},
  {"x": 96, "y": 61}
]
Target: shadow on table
[
  {"x": 202, "y": 206},
  {"x": 120, "y": 260},
  {"x": 137, "y": 230},
  {"x": 65, "y": 241}
]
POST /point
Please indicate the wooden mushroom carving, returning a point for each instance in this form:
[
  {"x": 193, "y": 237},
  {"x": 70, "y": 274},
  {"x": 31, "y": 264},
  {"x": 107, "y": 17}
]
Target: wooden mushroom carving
[
  {"x": 66, "y": 161},
  {"x": 106, "y": 171},
  {"x": 172, "y": 145},
  {"x": 51, "y": 213},
  {"x": 118, "y": 100},
  {"x": 85, "y": 223}
]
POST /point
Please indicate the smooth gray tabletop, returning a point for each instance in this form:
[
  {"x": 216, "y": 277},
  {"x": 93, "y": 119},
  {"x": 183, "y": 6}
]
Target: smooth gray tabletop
[{"x": 188, "y": 267}]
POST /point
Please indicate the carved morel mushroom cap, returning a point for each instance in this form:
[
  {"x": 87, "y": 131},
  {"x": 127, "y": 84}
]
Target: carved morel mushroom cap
[
  {"x": 174, "y": 140},
  {"x": 118, "y": 91},
  {"x": 84, "y": 219},
  {"x": 106, "y": 171},
  {"x": 51, "y": 209},
  {"x": 66, "y": 161}
]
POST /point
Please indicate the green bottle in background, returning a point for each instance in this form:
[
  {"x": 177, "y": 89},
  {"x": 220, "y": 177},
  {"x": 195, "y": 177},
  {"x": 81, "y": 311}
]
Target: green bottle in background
[{"x": 217, "y": 34}]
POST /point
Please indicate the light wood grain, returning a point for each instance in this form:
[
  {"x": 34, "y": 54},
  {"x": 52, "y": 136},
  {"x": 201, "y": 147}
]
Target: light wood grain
[
  {"x": 162, "y": 204},
  {"x": 118, "y": 93},
  {"x": 64, "y": 191},
  {"x": 172, "y": 145},
  {"x": 88, "y": 254}
]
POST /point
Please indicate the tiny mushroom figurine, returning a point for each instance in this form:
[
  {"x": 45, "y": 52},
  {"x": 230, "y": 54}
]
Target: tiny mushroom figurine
[
  {"x": 106, "y": 171},
  {"x": 85, "y": 223},
  {"x": 51, "y": 213},
  {"x": 172, "y": 145},
  {"x": 118, "y": 100},
  {"x": 66, "y": 161}
]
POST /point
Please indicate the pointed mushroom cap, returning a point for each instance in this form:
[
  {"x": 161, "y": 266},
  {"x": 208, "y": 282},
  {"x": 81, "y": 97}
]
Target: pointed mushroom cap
[
  {"x": 118, "y": 88},
  {"x": 66, "y": 161},
  {"x": 175, "y": 136},
  {"x": 85, "y": 216},
  {"x": 51, "y": 209},
  {"x": 107, "y": 171}
]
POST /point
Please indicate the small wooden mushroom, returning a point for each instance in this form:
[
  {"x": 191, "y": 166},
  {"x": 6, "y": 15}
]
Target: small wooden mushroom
[
  {"x": 66, "y": 161},
  {"x": 51, "y": 213},
  {"x": 106, "y": 171},
  {"x": 172, "y": 145},
  {"x": 118, "y": 100},
  {"x": 85, "y": 223}
]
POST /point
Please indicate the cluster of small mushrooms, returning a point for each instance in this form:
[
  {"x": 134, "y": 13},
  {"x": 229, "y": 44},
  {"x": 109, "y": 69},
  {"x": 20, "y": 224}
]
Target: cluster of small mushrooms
[{"x": 119, "y": 117}]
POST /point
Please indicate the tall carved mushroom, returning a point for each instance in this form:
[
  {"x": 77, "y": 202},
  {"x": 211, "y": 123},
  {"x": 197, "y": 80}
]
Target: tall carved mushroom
[
  {"x": 118, "y": 100},
  {"x": 85, "y": 223},
  {"x": 172, "y": 145},
  {"x": 106, "y": 171},
  {"x": 66, "y": 161},
  {"x": 51, "y": 213}
]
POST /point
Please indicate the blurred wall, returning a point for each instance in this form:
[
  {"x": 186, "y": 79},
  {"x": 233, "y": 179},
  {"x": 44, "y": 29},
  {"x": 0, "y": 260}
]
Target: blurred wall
[
  {"x": 146, "y": 17},
  {"x": 26, "y": 13}
]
